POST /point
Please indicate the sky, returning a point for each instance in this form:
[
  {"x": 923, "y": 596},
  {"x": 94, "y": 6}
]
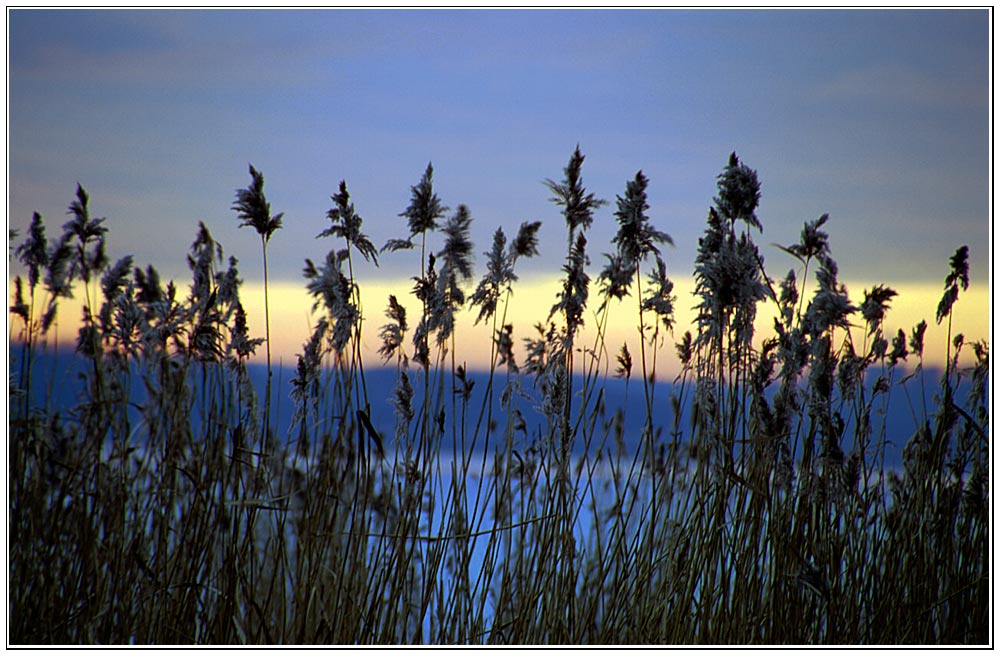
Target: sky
[{"x": 880, "y": 118}]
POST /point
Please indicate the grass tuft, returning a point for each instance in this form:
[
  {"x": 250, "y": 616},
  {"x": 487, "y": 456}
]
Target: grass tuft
[{"x": 522, "y": 505}]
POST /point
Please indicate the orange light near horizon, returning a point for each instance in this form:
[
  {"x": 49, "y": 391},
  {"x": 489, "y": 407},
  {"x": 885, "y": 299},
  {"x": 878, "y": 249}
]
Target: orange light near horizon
[{"x": 292, "y": 320}]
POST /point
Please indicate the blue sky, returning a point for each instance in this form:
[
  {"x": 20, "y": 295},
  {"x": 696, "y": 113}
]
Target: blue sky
[{"x": 878, "y": 117}]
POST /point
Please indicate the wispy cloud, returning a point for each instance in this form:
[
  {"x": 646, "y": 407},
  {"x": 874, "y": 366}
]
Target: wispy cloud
[
  {"x": 189, "y": 49},
  {"x": 906, "y": 88}
]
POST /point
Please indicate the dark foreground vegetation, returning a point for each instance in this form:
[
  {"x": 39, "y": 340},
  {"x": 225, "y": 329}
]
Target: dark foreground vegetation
[{"x": 764, "y": 512}]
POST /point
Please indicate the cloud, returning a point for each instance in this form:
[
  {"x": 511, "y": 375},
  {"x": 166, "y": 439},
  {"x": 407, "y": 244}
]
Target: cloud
[
  {"x": 899, "y": 86},
  {"x": 185, "y": 49}
]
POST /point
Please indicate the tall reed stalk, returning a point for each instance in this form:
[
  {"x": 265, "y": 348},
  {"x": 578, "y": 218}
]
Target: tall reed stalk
[{"x": 254, "y": 211}]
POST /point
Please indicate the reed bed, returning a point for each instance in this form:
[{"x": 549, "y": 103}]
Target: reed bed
[{"x": 165, "y": 508}]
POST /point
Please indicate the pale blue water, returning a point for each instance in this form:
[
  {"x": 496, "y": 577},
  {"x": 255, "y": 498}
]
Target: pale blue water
[{"x": 58, "y": 384}]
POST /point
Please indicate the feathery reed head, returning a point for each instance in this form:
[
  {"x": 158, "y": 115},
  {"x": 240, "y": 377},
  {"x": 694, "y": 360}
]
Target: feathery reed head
[
  {"x": 392, "y": 333},
  {"x": 82, "y": 226},
  {"x": 739, "y": 193},
  {"x": 499, "y": 275},
  {"x": 875, "y": 305},
  {"x": 33, "y": 252},
  {"x": 525, "y": 244},
  {"x": 456, "y": 255},
  {"x": 85, "y": 230},
  {"x": 254, "y": 210},
  {"x": 813, "y": 242},
  {"x": 425, "y": 207},
  {"x": 957, "y": 276},
  {"x": 636, "y": 237},
  {"x": 624, "y": 368},
  {"x": 346, "y": 223},
  {"x": 575, "y": 290},
  {"x": 659, "y": 295},
  {"x": 615, "y": 278},
  {"x": 570, "y": 194}
]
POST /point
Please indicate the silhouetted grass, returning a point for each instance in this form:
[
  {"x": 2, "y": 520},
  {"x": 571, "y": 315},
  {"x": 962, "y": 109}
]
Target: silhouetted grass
[{"x": 765, "y": 513}]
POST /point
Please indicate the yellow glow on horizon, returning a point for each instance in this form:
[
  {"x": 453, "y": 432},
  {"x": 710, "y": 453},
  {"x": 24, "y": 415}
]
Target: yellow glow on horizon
[{"x": 292, "y": 320}]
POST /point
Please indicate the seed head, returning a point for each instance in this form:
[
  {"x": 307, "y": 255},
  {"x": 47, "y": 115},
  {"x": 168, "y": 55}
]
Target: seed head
[
  {"x": 346, "y": 223},
  {"x": 739, "y": 193},
  {"x": 570, "y": 194},
  {"x": 252, "y": 208}
]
